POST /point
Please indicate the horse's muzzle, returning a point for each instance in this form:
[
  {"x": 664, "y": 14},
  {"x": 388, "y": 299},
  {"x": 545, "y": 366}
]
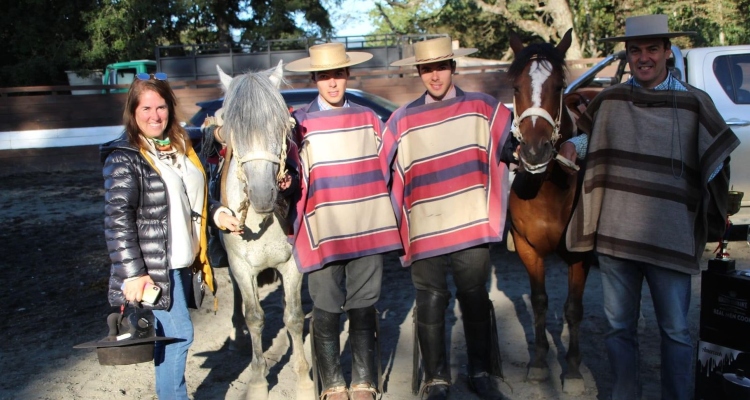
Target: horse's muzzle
[{"x": 536, "y": 157}]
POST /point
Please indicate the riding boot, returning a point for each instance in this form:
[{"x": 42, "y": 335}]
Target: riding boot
[
  {"x": 483, "y": 354},
  {"x": 431, "y": 334},
  {"x": 362, "y": 341},
  {"x": 328, "y": 351}
]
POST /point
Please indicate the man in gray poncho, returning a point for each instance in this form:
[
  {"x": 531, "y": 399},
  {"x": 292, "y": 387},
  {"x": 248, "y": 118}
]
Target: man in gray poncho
[{"x": 657, "y": 170}]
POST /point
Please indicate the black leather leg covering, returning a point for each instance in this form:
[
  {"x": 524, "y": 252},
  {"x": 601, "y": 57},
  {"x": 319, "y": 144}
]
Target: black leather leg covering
[
  {"x": 478, "y": 330},
  {"x": 431, "y": 333},
  {"x": 327, "y": 348},
  {"x": 362, "y": 341}
]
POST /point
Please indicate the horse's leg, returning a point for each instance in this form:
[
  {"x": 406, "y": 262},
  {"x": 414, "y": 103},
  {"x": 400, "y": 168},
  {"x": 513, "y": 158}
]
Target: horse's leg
[
  {"x": 534, "y": 263},
  {"x": 254, "y": 318},
  {"x": 294, "y": 320},
  {"x": 239, "y": 337},
  {"x": 572, "y": 379}
]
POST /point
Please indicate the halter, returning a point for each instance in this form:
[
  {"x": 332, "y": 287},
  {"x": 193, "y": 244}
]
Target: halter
[
  {"x": 536, "y": 112},
  {"x": 261, "y": 155}
]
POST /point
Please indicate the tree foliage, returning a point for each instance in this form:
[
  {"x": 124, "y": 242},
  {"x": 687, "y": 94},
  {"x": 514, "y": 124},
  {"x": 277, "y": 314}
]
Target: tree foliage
[
  {"x": 43, "y": 38},
  {"x": 462, "y": 20},
  {"x": 38, "y": 38},
  {"x": 484, "y": 23}
]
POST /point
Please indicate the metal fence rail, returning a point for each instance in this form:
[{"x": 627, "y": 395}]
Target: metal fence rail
[{"x": 199, "y": 61}]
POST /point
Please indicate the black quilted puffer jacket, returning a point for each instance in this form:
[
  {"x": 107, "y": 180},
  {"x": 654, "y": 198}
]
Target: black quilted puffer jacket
[{"x": 136, "y": 220}]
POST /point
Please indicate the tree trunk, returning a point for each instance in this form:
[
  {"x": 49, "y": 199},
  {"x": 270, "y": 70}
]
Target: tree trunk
[{"x": 557, "y": 10}]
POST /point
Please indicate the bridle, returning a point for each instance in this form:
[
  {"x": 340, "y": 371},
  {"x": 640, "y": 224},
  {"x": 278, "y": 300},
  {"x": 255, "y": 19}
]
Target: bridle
[
  {"x": 536, "y": 112},
  {"x": 260, "y": 155}
]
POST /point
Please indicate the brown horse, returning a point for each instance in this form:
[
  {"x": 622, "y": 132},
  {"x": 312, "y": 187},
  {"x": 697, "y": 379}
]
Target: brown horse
[{"x": 543, "y": 193}]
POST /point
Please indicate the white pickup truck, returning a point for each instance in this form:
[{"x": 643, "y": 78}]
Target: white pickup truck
[{"x": 723, "y": 73}]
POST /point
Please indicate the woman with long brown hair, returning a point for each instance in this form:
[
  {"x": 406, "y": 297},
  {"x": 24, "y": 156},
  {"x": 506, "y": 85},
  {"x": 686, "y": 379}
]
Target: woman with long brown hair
[{"x": 156, "y": 215}]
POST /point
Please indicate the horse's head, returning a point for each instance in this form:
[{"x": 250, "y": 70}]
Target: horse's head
[
  {"x": 538, "y": 78},
  {"x": 257, "y": 121}
]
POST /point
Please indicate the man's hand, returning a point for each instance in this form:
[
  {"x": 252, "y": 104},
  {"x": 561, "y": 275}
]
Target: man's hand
[
  {"x": 285, "y": 182},
  {"x": 568, "y": 151}
]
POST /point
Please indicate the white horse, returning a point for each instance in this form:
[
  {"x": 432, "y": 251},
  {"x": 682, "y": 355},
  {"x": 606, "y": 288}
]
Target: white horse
[{"x": 256, "y": 128}]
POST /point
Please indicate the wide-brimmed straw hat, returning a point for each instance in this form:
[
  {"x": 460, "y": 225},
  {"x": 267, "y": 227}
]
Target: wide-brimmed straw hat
[
  {"x": 646, "y": 27},
  {"x": 130, "y": 339},
  {"x": 433, "y": 50},
  {"x": 328, "y": 56}
]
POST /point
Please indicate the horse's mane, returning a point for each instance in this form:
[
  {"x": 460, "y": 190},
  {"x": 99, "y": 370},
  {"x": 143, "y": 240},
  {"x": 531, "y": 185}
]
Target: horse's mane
[
  {"x": 255, "y": 114},
  {"x": 541, "y": 51}
]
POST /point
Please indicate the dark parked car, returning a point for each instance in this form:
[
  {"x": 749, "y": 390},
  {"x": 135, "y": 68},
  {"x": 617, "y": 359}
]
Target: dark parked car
[
  {"x": 297, "y": 98},
  {"x": 294, "y": 98}
]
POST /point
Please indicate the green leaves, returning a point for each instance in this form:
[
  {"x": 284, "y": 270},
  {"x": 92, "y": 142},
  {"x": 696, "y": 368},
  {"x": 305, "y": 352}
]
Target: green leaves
[{"x": 43, "y": 38}]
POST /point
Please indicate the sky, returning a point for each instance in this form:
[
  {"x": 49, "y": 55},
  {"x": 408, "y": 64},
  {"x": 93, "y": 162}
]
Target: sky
[{"x": 352, "y": 19}]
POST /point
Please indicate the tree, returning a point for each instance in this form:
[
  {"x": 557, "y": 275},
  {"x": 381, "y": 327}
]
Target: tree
[
  {"x": 479, "y": 23},
  {"x": 275, "y": 19},
  {"x": 37, "y": 37},
  {"x": 548, "y": 20},
  {"x": 460, "y": 19},
  {"x": 127, "y": 30},
  {"x": 43, "y": 38},
  {"x": 484, "y": 23}
]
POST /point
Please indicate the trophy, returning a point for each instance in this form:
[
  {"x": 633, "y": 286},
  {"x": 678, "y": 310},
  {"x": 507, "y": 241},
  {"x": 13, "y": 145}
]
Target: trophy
[{"x": 722, "y": 262}]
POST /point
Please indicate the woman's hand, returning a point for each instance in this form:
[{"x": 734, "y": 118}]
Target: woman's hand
[
  {"x": 133, "y": 289},
  {"x": 230, "y": 223}
]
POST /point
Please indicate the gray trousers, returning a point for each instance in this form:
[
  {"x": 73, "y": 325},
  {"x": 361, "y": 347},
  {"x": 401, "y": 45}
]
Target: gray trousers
[{"x": 345, "y": 285}]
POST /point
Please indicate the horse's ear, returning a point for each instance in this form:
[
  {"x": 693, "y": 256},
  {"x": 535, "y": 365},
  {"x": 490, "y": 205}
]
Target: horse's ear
[
  {"x": 564, "y": 44},
  {"x": 224, "y": 78},
  {"x": 515, "y": 42},
  {"x": 278, "y": 74}
]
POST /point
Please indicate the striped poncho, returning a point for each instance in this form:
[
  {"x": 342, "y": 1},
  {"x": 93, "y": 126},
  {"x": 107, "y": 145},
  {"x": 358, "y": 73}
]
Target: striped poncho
[
  {"x": 345, "y": 210},
  {"x": 646, "y": 191},
  {"x": 449, "y": 188}
]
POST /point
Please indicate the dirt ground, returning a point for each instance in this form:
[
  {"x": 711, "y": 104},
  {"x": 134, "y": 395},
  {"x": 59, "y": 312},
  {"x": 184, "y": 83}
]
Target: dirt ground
[{"x": 55, "y": 268}]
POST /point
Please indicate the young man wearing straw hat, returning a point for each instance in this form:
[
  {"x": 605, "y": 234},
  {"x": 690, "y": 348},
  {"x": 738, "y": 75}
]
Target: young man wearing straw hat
[
  {"x": 345, "y": 221},
  {"x": 449, "y": 190},
  {"x": 657, "y": 168}
]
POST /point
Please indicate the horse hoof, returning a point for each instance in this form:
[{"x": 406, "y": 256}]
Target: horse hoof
[
  {"x": 304, "y": 383},
  {"x": 257, "y": 392},
  {"x": 573, "y": 386},
  {"x": 538, "y": 374},
  {"x": 305, "y": 390}
]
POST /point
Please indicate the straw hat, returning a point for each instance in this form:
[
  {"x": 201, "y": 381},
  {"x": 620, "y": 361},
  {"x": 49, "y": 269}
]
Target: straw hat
[
  {"x": 646, "y": 27},
  {"x": 328, "y": 56},
  {"x": 433, "y": 50}
]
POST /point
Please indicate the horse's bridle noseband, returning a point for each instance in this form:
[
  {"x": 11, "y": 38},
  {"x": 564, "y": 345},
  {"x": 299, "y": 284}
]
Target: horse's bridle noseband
[
  {"x": 536, "y": 112},
  {"x": 260, "y": 155}
]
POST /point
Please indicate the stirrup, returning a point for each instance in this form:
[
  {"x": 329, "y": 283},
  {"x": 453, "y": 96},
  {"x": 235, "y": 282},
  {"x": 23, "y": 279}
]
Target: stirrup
[
  {"x": 363, "y": 387},
  {"x": 434, "y": 382},
  {"x": 333, "y": 390}
]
